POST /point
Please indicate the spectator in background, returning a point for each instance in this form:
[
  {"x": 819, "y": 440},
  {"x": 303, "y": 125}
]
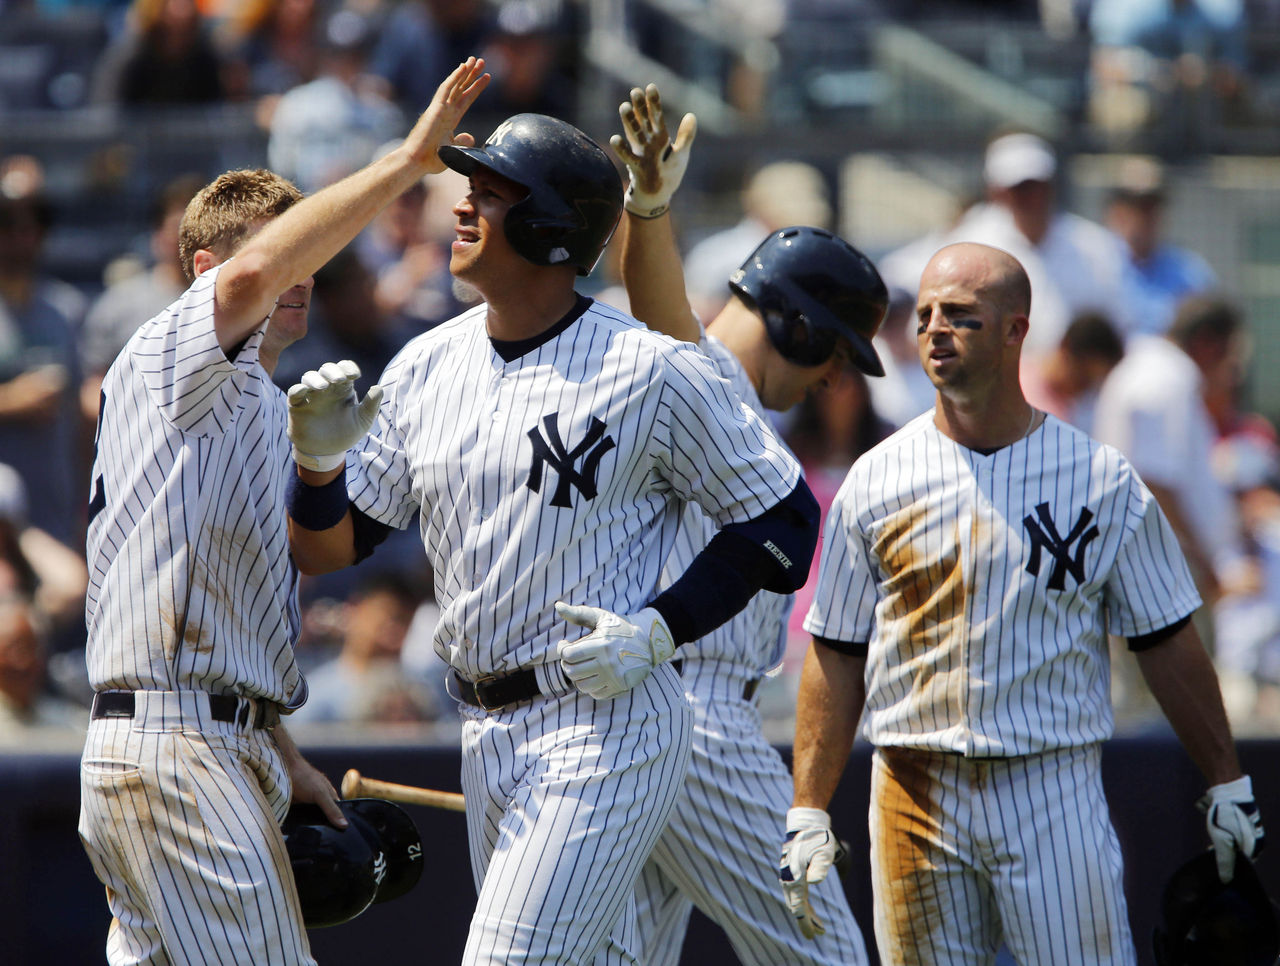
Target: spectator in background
[
  {"x": 1157, "y": 274},
  {"x": 25, "y": 705},
  {"x": 419, "y": 39},
  {"x": 138, "y": 292},
  {"x": 328, "y": 128},
  {"x": 39, "y": 368},
  {"x": 905, "y": 390},
  {"x": 273, "y": 47},
  {"x": 35, "y": 565},
  {"x": 1066, "y": 381},
  {"x": 1152, "y": 408},
  {"x": 831, "y": 428},
  {"x": 1165, "y": 62},
  {"x": 779, "y": 194},
  {"x": 365, "y": 682},
  {"x": 1247, "y": 626},
  {"x": 347, "y": 323},
  {"x": 525, "y": 53},
  {"x": 409, "y": 255},
  {"x": 164, "y": 57}
]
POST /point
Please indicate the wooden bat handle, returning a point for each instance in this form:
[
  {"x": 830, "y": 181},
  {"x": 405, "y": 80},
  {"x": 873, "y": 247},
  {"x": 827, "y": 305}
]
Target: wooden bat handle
[{"x": 355, "y": 785}]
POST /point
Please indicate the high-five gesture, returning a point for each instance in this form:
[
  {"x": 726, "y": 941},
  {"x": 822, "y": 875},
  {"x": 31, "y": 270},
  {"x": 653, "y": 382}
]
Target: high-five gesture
[
  {"x": 655, "y": 164},
  {"x": 453, "y": 97}
]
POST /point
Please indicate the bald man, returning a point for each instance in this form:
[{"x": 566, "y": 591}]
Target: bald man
[{"x": 973, "y": 565}]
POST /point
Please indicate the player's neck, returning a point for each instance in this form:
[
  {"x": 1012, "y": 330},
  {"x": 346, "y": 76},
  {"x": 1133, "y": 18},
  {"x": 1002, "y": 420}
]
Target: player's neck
[
  {"x": 532, "y": 312},
  {"x": 989, "y": 425}
]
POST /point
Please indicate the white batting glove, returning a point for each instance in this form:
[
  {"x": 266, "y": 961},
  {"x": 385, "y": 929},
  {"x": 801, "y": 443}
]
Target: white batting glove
[
  {"x": 325, "y": 419},
  {"x": 656, "y": 166},
  {"x": 619, "y": 652},
  {"x": 1232, "y": 817},
  {"x": 808, "y": 853}
]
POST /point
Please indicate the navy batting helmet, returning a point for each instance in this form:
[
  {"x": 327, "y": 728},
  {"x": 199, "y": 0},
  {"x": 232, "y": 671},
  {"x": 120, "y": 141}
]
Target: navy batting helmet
[
  {"x": 813, "y": 288},
  {"x": 1207, "y": 923},
  {"x": 394, "y": 833},
  {"x": 341, "y": 872},
  {"x": 335, "y": 869},
  {"x": 575, "y": 194}
]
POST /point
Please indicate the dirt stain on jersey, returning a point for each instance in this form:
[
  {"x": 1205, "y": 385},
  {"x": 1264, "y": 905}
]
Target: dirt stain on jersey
[{"x": 925, "y": 598}]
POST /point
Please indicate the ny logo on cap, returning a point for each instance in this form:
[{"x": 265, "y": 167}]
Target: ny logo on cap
[
  {"x": 1048, "y": 539},
  {"x": 551, "y": 451}
]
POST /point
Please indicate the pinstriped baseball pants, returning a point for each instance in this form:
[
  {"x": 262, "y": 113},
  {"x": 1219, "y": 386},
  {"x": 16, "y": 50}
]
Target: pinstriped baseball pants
[
  {"x": 180, "y": 816},
  {"x": 720, "y": 849},
  {"x": 565, "y": 798},
  {"x": 965, "y": 852}
]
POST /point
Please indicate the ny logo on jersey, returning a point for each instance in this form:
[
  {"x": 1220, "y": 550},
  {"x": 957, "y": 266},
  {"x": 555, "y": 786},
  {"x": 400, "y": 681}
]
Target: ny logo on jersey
[
  {"x": 1048, "y": 539},
  {"x": 551, "y": 451}
]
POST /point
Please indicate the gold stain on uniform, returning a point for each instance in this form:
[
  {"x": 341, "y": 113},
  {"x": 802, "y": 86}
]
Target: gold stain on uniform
[
  {"x": 908, "y": 843},
  {"x": 925, "y": 599}
]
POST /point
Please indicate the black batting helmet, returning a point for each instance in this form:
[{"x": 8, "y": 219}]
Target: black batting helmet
[
  {"x": 812, "y": 288},
  {"x": 1207, "y": 923},
  {"x": 575, "y": 194},
  {"x": 395, "y": 834},
  {"x": 341, "y": 872}
]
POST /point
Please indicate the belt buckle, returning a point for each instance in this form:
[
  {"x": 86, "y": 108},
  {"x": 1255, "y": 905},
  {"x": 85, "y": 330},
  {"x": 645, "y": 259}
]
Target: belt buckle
[{"x": 475, "y": 687}]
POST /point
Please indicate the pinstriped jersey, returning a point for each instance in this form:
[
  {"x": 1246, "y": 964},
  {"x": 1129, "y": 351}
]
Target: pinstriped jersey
[
  {"x": 191, "y": 581},
  {"x": 756, "y": 636},
  {"x": 560, "y": 475},
  {"x": 986, "y": 586}
]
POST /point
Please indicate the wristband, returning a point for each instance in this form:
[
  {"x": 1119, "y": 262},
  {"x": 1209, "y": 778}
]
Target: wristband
[
  {"x": 648, "y": 214},
  {"x": 317, "y": 507},
  {"x": 319, "y": 464}
]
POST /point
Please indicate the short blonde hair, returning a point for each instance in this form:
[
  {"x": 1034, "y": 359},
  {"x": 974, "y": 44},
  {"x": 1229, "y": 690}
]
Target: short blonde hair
[{"x": 224, "y": 213}]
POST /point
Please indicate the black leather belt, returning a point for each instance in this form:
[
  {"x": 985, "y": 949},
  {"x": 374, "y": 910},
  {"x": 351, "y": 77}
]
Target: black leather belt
[
  {"x": 497, "y": 691},
  {"x": 748, "y": 689},
  {"x": 222, "y": 707}
]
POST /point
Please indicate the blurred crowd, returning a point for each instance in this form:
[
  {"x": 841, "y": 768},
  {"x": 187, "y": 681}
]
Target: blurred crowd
[{"x": 1132, "y": 337}]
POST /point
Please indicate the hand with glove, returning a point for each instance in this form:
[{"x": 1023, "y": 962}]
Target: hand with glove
[
  {"x": 1234, "y": 824},
  {"x": 656, "y": 165},
  {"x": 619, "y": 652},
  {"x": 325, "y": 419},
  {"x": 809, "y": 851}
]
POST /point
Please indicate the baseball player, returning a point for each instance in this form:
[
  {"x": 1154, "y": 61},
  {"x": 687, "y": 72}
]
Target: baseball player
[
  {"x": 547, "y": 445},
  {"x": 804, "y": 304},
  {"x": 192, "y": 611},
  {"x": 973, "y": 565}
]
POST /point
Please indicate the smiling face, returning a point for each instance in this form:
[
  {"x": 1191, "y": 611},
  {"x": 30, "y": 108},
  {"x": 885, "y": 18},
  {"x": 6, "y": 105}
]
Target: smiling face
[
  {"x": 480, "y": 248},
  {"x": 971, "y": 318}
]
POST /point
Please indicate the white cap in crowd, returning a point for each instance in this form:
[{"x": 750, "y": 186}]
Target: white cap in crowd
[{"x": 1015, "y": 158}]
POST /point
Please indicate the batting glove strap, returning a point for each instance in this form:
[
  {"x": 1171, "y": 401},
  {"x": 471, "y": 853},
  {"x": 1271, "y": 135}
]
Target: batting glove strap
[
  {"x": 325, "y": 418},
  {"x": 1233, "y": 822},
  {"x": 618, "y": 654}
]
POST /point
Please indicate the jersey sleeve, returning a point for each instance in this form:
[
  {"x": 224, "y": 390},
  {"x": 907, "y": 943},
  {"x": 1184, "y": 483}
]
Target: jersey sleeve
[
  {"x": 187, "y": 374},
  {"x": 719, "y": 454},
  {"x": 844, "y": 601},
  {"x": 1150, "y": 585},
  {"x": 378, "y": 478}
]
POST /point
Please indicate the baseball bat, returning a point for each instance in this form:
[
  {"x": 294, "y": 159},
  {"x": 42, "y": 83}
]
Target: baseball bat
[{"x": 355, "y": 785}]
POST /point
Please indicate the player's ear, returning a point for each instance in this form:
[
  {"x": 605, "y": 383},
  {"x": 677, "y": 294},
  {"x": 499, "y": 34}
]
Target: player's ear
[
  {"x": 203, "y": 260},
  {"x": 1016, "y": 327}
]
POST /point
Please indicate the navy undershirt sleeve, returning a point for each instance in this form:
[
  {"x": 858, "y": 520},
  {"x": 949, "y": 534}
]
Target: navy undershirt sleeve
[{"x": 770, "y": 552}]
